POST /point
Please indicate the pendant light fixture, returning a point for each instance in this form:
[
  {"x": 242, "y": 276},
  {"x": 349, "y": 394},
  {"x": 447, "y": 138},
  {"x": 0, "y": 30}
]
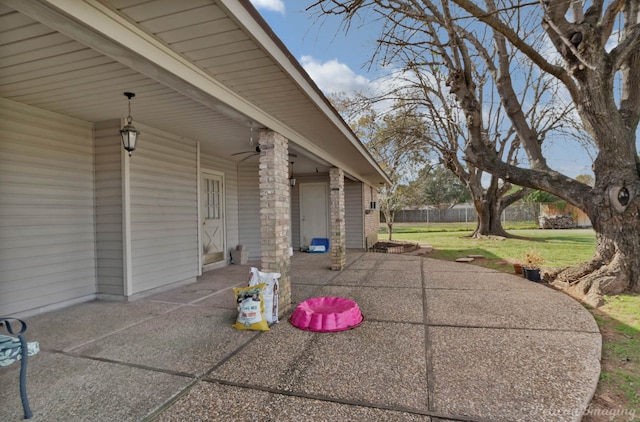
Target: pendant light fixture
[
  {"x": 129, "y": 133},
  {"x": 292, "y": 180}
]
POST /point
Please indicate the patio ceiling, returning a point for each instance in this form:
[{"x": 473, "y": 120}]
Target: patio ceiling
[{"x": 206, "y": 70}]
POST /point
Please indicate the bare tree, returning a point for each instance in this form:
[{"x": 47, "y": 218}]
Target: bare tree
[
  {"x": 448, "y": 137},
  {"x": 596, "y": 45},
  {"x": 396, "y": 141},
  {"x": 422, "y": 51}
]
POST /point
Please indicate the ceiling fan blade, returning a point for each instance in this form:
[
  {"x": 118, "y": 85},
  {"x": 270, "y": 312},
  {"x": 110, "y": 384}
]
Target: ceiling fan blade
[
  {"x": 257, "y": 152},
  {"x": 247, "y": 157}
]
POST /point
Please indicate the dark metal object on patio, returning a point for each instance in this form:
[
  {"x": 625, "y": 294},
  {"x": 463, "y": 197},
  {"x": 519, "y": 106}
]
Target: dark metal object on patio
[{"x": 13, "y": 349}]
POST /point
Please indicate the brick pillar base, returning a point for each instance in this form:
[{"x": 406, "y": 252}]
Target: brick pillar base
[
  {"x": 274, "y": 211},
  {"x": 338, "y": 238}
]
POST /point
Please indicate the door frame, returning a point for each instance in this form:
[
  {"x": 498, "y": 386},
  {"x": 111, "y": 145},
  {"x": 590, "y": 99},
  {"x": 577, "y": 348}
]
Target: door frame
[
  {"x": 300, "y": 206},
  {"x": 201, "y": 199}
]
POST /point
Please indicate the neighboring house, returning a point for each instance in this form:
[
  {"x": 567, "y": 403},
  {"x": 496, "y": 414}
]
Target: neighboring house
[{"x": 80, "y": 219}]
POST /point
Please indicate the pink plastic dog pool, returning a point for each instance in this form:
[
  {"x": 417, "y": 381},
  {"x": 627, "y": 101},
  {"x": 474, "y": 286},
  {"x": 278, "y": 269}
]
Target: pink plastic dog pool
[{"x": 326, "y": 314}]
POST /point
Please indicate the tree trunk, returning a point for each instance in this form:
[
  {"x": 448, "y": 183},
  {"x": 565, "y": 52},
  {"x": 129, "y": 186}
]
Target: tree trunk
[
  {"x": 390, "y": 230},
  {"x": 615, "y": 266},
  {"x": 613, "y": 204},
  {"x": 489, "y": 210}
]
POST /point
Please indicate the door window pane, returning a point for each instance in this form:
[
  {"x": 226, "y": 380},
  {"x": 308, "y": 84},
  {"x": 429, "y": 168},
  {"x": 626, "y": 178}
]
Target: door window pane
[{"x": 213, "y": 194}]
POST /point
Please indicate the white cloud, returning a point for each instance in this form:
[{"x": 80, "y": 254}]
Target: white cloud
[
  {"x": 271, "y": 5},
  {"x": 333, "y": 76}
]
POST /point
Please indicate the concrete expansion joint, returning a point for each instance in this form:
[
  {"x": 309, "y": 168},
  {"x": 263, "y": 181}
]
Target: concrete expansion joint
[
  {"x": 152, "y": 416},
  {"x": 514, "y": 328},
  {"x": 117, "y": 331},
  {"x": 328, "y": 399},
  {"x": 121, "y": 363},
  {"x": 427, "y": 339}
]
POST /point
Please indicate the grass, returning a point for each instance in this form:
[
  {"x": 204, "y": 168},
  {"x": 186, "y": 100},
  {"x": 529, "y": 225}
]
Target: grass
[
  {"x": 618, "y": 320},
  {"x": 560, "y": 248}
]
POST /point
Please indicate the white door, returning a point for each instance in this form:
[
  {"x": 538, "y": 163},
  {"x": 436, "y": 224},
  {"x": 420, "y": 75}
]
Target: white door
[
  {"x": 314, "y": 212},
  {"x": 213, "y": 215}
]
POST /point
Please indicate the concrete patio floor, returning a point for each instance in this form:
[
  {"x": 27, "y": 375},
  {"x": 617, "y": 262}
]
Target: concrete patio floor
[{"x": 441, "y": 341}]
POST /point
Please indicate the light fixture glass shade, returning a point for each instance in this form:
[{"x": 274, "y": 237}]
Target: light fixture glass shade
[{"x": 129, "y": 138}]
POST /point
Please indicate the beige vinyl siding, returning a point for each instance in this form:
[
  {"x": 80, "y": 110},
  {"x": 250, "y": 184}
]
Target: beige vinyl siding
[
  {"x": 354, "y": 215},
  {"x": 230, "y": 170},
  {"x": 163, "y": 203},
  {"x": 249, "y": 208},
  {"x": 47, "y": 240},
  {"x": 295, "y": 203},
  {"x": 108, "y": 199}
]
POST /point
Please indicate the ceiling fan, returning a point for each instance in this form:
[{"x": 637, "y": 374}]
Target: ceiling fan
[{"x": 255, "y": 152}]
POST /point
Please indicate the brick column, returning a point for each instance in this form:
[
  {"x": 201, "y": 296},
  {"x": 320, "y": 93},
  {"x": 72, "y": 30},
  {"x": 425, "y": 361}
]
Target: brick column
[
  {"x": 274, "y": 211},
  {"x": 371, "y": 218},
  {"x": 338, "y": 237}
]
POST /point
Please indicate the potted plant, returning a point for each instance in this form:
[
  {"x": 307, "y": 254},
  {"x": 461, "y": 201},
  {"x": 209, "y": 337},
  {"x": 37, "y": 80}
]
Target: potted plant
[
  {"x": 517, "y": 268},
  {"x": 531, "y": 265}
]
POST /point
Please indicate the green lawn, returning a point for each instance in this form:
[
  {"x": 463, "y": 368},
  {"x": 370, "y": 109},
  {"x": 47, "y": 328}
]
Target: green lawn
[
  {"x": 619, "y": 319},
  {"x": 619, "y": 322},
  {"x": 560, "y": 248}
]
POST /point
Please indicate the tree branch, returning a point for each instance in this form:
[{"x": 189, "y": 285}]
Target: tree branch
[
  {"x": 594, "y": 11},
  {"x": 512, "y": 105},
  {"x": 576, "y": 7},
  {"x": 514, "y": 197},
  {"x": 518, "y": 43},
  {"x": 630, "y": 100},
  {"x": 557, "y": 9},
  {"x": 575, "y": 192},
  {"x": 628, "y": 47},
  {"x": 608, "y": 20}
]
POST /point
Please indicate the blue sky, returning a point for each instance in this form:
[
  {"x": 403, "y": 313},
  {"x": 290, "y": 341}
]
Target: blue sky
[
  {"x": 339, "y": 62},
  {"x": 335, "y": 60}
]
